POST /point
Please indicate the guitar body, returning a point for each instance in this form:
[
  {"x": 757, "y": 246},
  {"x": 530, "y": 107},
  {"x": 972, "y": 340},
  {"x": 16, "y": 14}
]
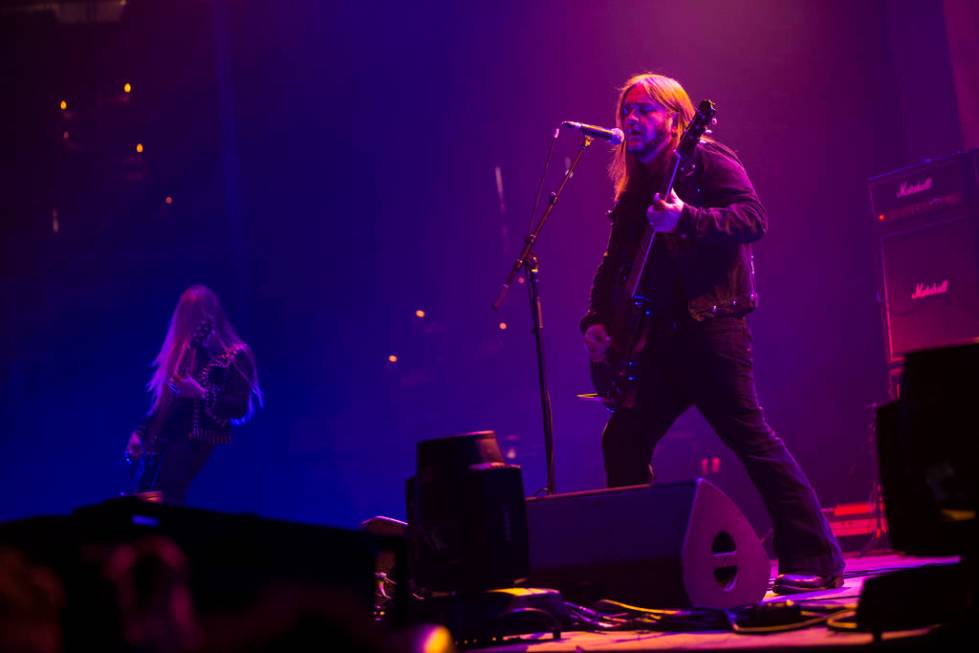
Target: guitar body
[{"x": 616, "y": 378}]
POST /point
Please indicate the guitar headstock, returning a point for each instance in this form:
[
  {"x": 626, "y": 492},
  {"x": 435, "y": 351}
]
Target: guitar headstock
[{"x": 705, "y": 117}]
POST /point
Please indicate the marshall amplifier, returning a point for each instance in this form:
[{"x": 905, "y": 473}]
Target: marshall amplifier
[{"x": 928, "y": 226}]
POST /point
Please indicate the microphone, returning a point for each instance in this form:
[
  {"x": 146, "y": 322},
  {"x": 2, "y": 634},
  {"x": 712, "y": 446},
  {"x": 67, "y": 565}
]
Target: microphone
[{"x": 613, "y": 136}]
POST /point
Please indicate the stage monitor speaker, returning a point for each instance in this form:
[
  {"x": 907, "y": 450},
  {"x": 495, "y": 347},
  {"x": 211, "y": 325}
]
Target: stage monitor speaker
[
  {"x": 667, "y": 546},
  {"x": 927, "y": 448},
  {"x": 928, "y": 226}
]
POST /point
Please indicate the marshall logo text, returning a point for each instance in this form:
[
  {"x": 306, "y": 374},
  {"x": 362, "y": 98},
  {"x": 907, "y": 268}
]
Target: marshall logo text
[
  {"x": 906, "y": 189},
  {"x": 930, "y": 290}
]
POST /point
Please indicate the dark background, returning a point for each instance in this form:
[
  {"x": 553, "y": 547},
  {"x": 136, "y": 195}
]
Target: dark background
[{"x": 332, "y": 169}]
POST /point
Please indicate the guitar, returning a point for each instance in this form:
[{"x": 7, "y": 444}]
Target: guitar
[{"x": 616, "y": 378}]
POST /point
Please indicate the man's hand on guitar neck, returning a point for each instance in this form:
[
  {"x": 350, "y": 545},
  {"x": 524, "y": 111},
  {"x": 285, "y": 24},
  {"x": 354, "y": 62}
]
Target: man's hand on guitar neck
[
  {"x": 597, "y": 341},
  {"x": 663, "y": 216}
]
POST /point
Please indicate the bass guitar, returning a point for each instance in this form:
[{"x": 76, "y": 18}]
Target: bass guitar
[{"x": 616, "y": 377}]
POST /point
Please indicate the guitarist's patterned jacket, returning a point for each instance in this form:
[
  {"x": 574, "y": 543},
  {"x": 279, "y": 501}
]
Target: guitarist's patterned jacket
[
  {"x": 705, "y": 269},
  {"x": 227, "y": 402}
]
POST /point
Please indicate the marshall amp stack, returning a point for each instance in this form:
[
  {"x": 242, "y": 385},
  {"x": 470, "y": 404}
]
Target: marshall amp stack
[{"x": 928, "y": 225}]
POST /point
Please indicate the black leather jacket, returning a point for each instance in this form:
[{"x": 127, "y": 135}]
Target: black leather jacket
[{"x": 706, "y": 265}]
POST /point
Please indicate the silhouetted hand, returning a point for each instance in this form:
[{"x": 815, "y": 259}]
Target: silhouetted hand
[
  {"x": 186, "y": 387},
  {"x": 597, "y": 341},
  {"x": 134, "y": 448}
]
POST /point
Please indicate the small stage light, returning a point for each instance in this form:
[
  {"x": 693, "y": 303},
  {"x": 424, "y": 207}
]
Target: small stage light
[
  {"x": 127, "y": 87},
  {"x": 168, "y": 200},
  {"x": 139, "y": 148},
  {"x": 392, "y": 359},
  {"x": 64, "y": 105},
  {"x": 434, "y": 639},
  {"x": 503, "y": 326},
  {"x": 419, "y": 313}
]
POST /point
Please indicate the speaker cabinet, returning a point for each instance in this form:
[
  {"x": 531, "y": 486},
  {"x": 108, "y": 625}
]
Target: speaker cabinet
[
  {"x": 668, "y": 546},
  {"x": 927, "y": 449},
  {"x": 928, "y": 227}
]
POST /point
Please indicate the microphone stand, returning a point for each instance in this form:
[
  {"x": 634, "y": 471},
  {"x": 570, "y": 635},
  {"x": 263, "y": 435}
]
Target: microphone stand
[{"x": 531, "y": 263}]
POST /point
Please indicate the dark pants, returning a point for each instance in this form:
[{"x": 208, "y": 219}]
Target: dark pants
[
  {"x": 709, "y": 365},
  {"x": 172, "y": 469}
]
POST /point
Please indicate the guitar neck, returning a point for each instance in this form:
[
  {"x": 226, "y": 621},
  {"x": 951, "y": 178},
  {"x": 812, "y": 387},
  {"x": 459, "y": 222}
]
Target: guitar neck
[
  {"x": 648, "y": 235},
  {"x": 639, "y": 264},
  {"x": 674, "y": 171}
]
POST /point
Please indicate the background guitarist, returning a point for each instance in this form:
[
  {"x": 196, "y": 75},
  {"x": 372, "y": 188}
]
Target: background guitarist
[
  {"x": 204, "y": 383},
  {"x": 699, "y": 285}
]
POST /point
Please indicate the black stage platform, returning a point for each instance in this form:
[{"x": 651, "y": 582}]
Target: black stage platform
[{"x": 814, "y": 637}]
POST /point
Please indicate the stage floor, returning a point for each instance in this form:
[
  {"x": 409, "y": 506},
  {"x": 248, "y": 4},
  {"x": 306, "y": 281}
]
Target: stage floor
[{"x": 819, "y": 636}]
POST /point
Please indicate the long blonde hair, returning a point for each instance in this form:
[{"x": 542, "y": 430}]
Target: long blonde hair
[
  {"x": 665, "y": 91},
  {"x": 198, "y": 315}
]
